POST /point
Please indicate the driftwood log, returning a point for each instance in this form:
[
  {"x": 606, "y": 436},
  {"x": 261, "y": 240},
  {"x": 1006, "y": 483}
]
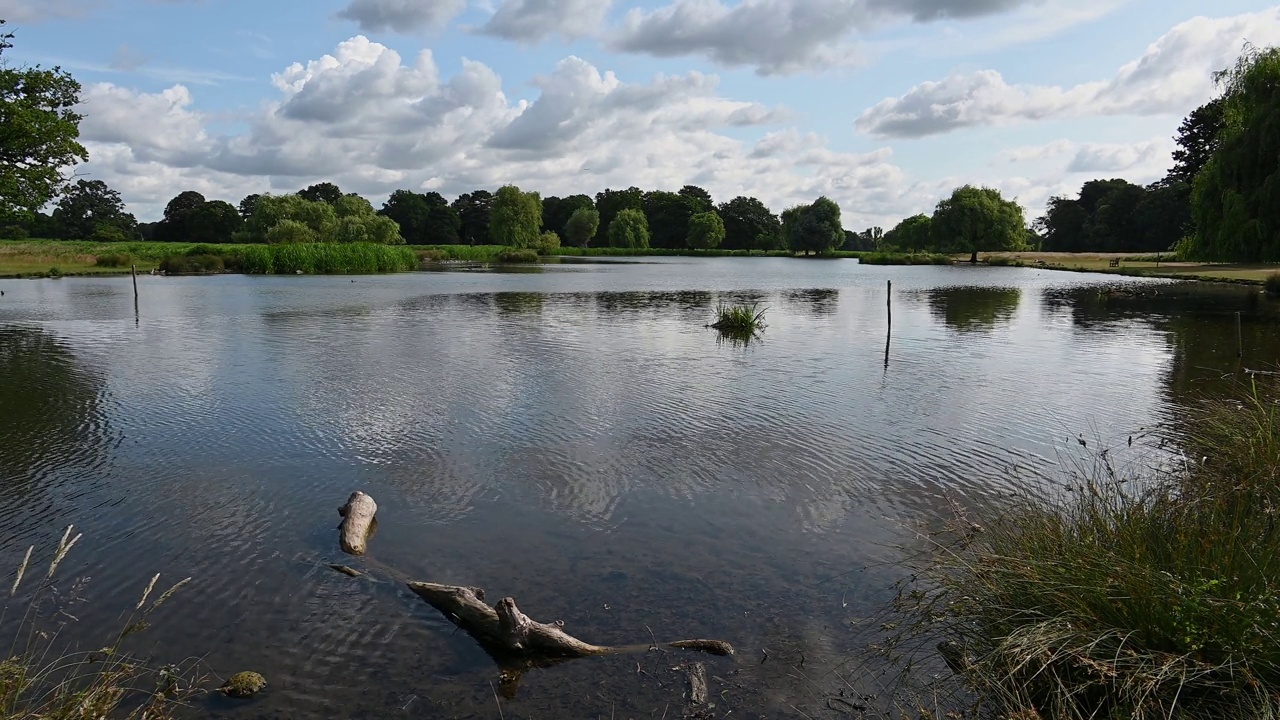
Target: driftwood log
[
  {"x": 357, "y": 519},
  {"x": 515, "y": 641}
]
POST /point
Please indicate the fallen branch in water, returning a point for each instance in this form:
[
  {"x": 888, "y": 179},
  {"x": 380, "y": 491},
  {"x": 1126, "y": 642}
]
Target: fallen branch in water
[
  {"x": 515, "y": 641},
  {"x": 357, "y": 522}
]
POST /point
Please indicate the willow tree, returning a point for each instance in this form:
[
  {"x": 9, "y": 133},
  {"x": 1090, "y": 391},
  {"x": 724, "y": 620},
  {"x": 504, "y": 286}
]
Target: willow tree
[
  {"x": 977, "y": 220},
  {"x": 1236, "y": 196}
]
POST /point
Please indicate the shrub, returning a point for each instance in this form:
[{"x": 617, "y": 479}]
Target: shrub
[
  {"x": 13, "y": 232},
  {"x": 904, "y": 259},
  {"x": 1272, "y": 284},
  {"x": 114, "y": 260},
  {"x": 548, "y": 243},
  {"x": 193, "y": 265},
  {"x": 518, "y": 256}
]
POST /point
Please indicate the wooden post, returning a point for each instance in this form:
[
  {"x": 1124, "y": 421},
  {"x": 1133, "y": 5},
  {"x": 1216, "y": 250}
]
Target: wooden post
[
  {"x": 888, "y": 333},
  {"x": 134, "y": 271},
  {"x": 1239, "y": 336}
]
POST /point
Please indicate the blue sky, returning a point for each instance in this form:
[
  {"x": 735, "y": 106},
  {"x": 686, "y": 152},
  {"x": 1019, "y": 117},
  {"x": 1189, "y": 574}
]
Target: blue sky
[{"x": 884, "y": 105}]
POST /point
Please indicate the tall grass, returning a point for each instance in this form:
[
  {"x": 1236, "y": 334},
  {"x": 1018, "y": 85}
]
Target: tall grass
[
  {"x": 324, "y": 259},
  {"x": 1149, "y": 594},
  {"x": 38, "y": 682},
  {"x": 514, "y": 255}
]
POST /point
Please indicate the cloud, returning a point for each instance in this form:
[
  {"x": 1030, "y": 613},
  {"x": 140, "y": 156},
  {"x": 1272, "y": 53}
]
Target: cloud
[
  {"x": 1173, "y": 76},
  {"x": 18, "y": 11},
  {"x": 537, "y": 20},
  {"x": 372, "y": 122},
  {"x": 402, "y": 16},
  {"x": 774, "y": 36},
  {"x": 1123, "y": 157},
  {"x": 779, "y": 37}
]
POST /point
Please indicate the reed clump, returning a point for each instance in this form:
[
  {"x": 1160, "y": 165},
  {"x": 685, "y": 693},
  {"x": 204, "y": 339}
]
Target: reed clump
[
  {"x": 740, "y": 321},
  {"x": 1142, "y": 594}
]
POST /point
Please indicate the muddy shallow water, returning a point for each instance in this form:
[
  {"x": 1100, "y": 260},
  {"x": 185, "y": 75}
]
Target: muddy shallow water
[{"x": 573, "y": 437}]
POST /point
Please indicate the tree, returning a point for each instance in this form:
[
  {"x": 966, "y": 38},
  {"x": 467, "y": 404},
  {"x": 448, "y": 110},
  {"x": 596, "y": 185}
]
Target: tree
[
  {"x": 1197, "y": 140},
  {"x": 1164, "y": 215},
  {"x": 291, "y": 231},
  {"x": 274, "y": 209},
  {"x": 557, "y": 211},
  {"x": 813, "y": 228},
  {"x": 424, "y": 219},
  {"x": 1063, "y": 225},
  {"x": 473, "y": 211},
  {"x": 1113, "y": 227},
  {"x": 177, "y": 225},
  {"x": 516, "y": 217},
  {"x": 706, "y": 231},
  {"x": 582, "y": 226},
  {"x": 699, "y": 198},
  {"x": 352, "y": 206},
  {"x": 89, "y": 206},
  {"x": 746, "y": 221},
  {"x": 668, "y": 214},
  {"x": 611, "y": 202},
  {"x": 866, "y": 241},
  {"x": 975, "y": 219},
  {"x": 39, "y": 131},
  {"x": 911, "y": 235},
  {"x": 411, "y": 212},
  {"x": 321, "y": 192},
  {"x": 214, "y": 221},
  {"x": 1236, "y": 196},
  {"x": 629, "y": 229},
  {"x": 248, "y": 205}
]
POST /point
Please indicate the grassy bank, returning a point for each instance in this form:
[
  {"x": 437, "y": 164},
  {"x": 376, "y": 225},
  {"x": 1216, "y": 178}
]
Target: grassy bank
[
  {"x": 1138, "y": 265},
  {"x": 46, "y": 258},
  {"x": 1124, "y": 595}
]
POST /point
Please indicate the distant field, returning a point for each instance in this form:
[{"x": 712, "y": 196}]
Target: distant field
[
  {"x": 73, "y": 257},
  {"x": 1130, "y": 264}
]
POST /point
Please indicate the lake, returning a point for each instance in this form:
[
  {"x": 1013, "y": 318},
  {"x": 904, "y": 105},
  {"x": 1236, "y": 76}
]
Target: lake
[{"x": 571, "y": 435}]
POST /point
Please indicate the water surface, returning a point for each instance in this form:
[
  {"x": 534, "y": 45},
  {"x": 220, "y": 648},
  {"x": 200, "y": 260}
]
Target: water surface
[{"x": 574, "y": 437}]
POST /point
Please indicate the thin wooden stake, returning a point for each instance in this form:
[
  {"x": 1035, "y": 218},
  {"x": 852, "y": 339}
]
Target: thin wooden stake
[
  {"x": 888, "y": 333},
  {"x": 1239, "y": 336},
  {"x": 134, "y": 269}
]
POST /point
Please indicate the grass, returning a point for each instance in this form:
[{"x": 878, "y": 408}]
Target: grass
[
  {"x": 881, "y": 258},
  {"x": 40, "y": 258},
  {"x": 1129, "y": 595},
  {"x": 1144, "y": 266},
  {"x": 38, "y": 681}
]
